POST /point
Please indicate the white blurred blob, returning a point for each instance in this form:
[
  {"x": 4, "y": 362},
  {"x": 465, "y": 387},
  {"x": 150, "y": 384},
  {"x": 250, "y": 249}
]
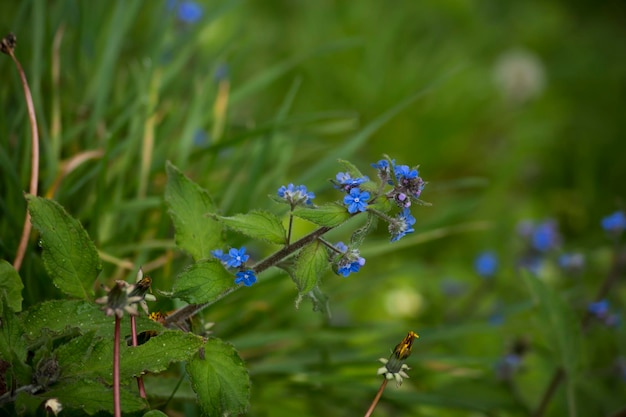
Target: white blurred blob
[
  {"x": 519, "y": 75},
  {"x": 403, "y": 302},
  {"x": 53, "y": 406}
]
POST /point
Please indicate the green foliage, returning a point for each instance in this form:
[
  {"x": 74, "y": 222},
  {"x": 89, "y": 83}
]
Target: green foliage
[
  {"x": 260, "y": 225},
  {"x": 69, "y": 255},
  {"x": 11, "y": 287},
  {"x": 220, "y": 379},
  {"x": 189, "y": 206},
  {"x": 203, "y": 282},
  {"x": 330, "y": 214}
]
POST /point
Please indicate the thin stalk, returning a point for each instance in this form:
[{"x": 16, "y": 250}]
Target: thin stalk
[
  {"x": 290, "y": 227},
  {"x": 117, "y": 405},
  {"x": 192, "y": 309},
  {"x": 6, "y": 46},
  {"x": 133, "y": 332},
  {"x": 377, "y": 398}
]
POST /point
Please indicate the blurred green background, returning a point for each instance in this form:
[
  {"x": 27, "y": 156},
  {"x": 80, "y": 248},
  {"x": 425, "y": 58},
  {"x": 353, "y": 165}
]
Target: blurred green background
[{"x": 513, "y": 110}]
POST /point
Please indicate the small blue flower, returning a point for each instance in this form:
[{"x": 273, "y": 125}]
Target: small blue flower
[
  {"x": 246, "y": 278},
  {"x": 404, "y": 172},
  {"x": 401, "y": 225},
  {"x": 356, "y": 200},
  {"x": 572, "y": 261},
  {"x": 508, "y": 366},
  {"x": 383, "y": 165},
  {"x": 189, "y": 11},
  {"x": 614, "y": 223},
  {"x": 295, "y": 195},
  {"x": 486, "y": 264},
  {"x": 545, "y": 236},
  {"x": 236, "y": 257},
  {"x": 351, "y": 260},
  {"x": 221, "y": 72},
  {"x": 599, "y": 309}
]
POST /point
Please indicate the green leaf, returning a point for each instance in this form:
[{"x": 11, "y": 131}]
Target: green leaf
[
  {"x": 188, "y": 205},
  {"x": 69, "y": 255},
  {"x": 311, "y": 264},
  {"x": 257, "y": 224},
  {"x": 329, "y": 215},
  {"x": 11, "y": 286},
  {"x": 559, "y": 323},
  {"x": 91, "y": 357},
  {"x": 203, "y": 282},
  {"x": 92, "y": 397},
  {"x": 61, "y": 316},
  {"x": 351, "y": 168},
  {"x": 13, "y": 350},
  {"x": 220, "y": 379},
  {"x": 155, "y": 413}
]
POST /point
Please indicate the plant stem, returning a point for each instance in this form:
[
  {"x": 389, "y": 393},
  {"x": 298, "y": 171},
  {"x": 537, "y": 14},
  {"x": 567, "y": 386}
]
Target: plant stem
[
  {"x": 192, "y": 309},
  {"x": 7, "y": 46},
  {"x": 117, "y": 407},
  {"x": 133, "y": 332},
  {"x": 378, "y": 395}
]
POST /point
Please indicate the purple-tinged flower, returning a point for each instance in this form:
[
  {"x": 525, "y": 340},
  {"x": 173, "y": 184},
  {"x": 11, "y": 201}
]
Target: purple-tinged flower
[
  {"x": 345, "y": 182},
  {"x": 545, "y": 236},
  {"x": 295, "y": 195},
  {"x": 614, "y": 223},
  {"x": 356, "y": 200},
  {"x": 401, "y": 225},
  {"x": 236, "y": 257},
  {"x": 189, "y": 11},
  {"x": 349, "y": 261},
  {"x": 486, "y": 264},
  {"x": 246, "y": 278},
  {"x": 408, "y": 185}
]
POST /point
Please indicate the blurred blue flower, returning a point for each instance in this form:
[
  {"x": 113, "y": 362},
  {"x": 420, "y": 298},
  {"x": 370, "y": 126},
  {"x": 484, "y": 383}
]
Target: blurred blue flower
[
  {"x": 295, "y": 195},
  {"x": 246, "y": 278},
  {"x": 236, "y": 257},
  {"x": 200, "y": 138},
  {"x": 573, "y": 262},
  {"x": 221, "y": 72},
  {"x": 614, "y": 223},
  {"x": 189, "y": 11},
  {"x": 356, "y": 200},
  {"x": 403, "y": 172},
  {"x": 486, "y": 264},
  {"x": 401, "y": 225},
  {"x": 507, "y": 366},
  {"x": 545, "y": 236},
  {"x": 220, "y": 255},
  {"x": 599, "y": 308}
]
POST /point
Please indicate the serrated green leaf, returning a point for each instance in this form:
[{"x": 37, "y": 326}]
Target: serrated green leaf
[
  {"x": 203, "y": 282},
  {"x": 311, "y": 264},
  {"x": 220, "y": 379},
  {"x": 60, "y": 316},
  {"x": 95, "y": 359},
  {"x": 11, "y": 286},
  {"x": 257, "y": 224},
  {"x": 351, "y": 168},
  {"x": 92, "y": 397},
  {"x": 559, "y": 324},
  {"x": 69, "y": 255},
  {"x": 188, "y": 205},
  {"x": 329, "y": 215}
]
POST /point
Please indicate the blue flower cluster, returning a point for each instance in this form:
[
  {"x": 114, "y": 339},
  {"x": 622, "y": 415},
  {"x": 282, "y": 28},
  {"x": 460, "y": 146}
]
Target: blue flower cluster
[
  {"x": 236, "y": 258},
  {"x": 296, "y": 195},
  {"x": 541, "y": 239},
  {"x": 349, "y": 260},
  {"x": 401, "y": 225},
  {"x": 186, "y": 11},
  {"x": 406, "y": 181}
]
